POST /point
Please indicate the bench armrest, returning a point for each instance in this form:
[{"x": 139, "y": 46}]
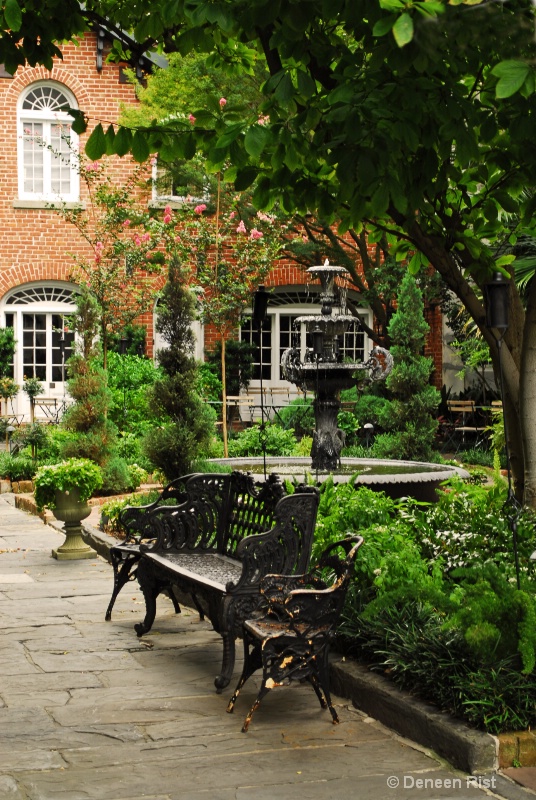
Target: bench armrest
[{"x": 133, "y": 520}]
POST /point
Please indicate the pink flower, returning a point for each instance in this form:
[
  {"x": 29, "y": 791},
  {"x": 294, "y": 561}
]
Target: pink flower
[
  {"x": 263, "y": 120},
  {"x": 137, "y": 240},
  {"x": 241, "y": 227},
  {"x": 146, "y": 237},
  {"x": 192, "y": 119},
  {"x": 126, "y": 223},
  {"x": 255, "y": 234},
  {"x": 167, "y": 218},
  {"x": 200, "y": 208},
  {"x": 223, "y": 102},
  {"x": 232, "y": 215},
  {"x": 167, "y": 210}
]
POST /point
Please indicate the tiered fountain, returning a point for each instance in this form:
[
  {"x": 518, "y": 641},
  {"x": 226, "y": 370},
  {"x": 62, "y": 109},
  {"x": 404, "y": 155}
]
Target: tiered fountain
[{"x": 324, "y": 372}]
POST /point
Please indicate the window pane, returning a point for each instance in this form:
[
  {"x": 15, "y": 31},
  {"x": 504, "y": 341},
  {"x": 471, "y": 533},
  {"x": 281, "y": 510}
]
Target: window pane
[
  {"x": 289, "y": 336},
  {"x": 33, "y": 156},
  {"x": 249, "y": 333}
]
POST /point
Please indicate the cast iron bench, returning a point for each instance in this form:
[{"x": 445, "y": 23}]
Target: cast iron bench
[{"x": 215, "y": 546}]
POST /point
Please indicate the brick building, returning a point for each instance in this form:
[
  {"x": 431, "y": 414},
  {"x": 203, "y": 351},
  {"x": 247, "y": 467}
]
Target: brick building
[{"x": 38, "y": 171}]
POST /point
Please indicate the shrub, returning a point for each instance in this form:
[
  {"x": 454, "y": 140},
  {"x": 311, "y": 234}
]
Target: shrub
[
  {"x": 137, "y": 475},
  {"x": 116, "y": 476},
  {"x": 111, "y": 510},
  {"x": 299, "y": 416},
  {"x": 249, "y": 442},
  {"x": 17, "y": 468},
  {"x": 435, "y": 602}
]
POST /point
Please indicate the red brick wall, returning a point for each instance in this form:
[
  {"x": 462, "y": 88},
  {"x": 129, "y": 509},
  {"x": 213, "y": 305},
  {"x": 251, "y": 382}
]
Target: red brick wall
[{"x": 36, "y": 242}]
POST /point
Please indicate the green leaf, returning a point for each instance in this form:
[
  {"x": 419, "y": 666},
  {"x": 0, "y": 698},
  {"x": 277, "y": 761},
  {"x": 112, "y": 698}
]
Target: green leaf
[
  {"x": 306, "y": 85},
  {"x": 415, "y": 264},
  {"x": 110, "y": 136},
  {"x": 403, "y": 30},
  {"x": 256, "y": 140},
  {"x": 245, "y": 178},
  {"x": 512, "y": 75},
  {"x": 392, "y": 5},
  {"x": 140, "y": 147},
  {"x": 96, "y": 144},
  {"x": 384, "y": 25},
  {"x": 79, "y": 124},
  {"x": 13, "y": 15},
  {"x": 285, "y": 89},
  {"x": 504, "y": 260},
  {"x": 122, "y": 141},
  {"x": 232, "y": 133}
]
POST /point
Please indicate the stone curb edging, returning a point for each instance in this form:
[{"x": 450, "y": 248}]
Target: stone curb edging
[{"x": 472, "y": 751}]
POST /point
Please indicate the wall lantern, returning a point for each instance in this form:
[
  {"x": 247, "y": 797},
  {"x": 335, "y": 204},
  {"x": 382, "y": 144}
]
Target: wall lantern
[
  {"x": 260, "y": 306},
  {"x": 496, "y": 293}
]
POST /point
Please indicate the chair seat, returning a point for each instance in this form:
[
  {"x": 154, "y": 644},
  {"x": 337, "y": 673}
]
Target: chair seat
[{"x": 266, "y": 628}]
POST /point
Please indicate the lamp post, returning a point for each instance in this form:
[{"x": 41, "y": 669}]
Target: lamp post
[
  {"x": 260, "y": 311},
  {"x": 123, "y": 342},
  {"x": 497, "y": 296}
]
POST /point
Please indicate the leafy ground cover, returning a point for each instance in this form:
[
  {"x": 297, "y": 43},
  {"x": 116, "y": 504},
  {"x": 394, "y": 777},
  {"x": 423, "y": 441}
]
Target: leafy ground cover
[{"x": 435, "y": 604}]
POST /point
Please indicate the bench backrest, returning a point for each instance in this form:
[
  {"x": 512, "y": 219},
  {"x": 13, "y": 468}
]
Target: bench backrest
[{"x": 218, "y": 511}]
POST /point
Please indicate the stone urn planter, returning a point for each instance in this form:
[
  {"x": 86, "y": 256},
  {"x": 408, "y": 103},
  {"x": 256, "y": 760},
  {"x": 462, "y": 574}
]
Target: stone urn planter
[
  {"x": 65, "y": 488},
  {"x": 70, "y": 510}
]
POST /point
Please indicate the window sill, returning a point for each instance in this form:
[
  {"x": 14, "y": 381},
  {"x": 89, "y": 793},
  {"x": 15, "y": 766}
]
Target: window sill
[{"x": 53, "y": 205}]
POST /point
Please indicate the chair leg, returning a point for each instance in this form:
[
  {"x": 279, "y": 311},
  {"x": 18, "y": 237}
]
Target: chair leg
[
  {"x": 313, "y": 680},
  {"x": 262, "y": 693},
  {"x": 322, "y": 675},
  {"x": 252, "y": 662}
]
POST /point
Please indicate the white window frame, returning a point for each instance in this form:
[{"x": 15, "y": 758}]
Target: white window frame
[
  {"x": 274, "y": 315},
  {"x": 48, "y": 308},
  {"x": 48, "y": 119}
]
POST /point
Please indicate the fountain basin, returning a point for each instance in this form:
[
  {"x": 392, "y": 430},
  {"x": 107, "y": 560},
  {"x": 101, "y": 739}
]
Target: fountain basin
[{"x": 396, "y": 478}]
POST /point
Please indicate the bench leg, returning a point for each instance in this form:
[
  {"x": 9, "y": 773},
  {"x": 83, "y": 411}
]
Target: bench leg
[
  {"x": 123, "y": 573},
  {"x": 227, "y": 664},
  {"x": 150, "y": 587}
]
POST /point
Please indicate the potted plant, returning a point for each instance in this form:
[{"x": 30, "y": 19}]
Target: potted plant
[
  {"x": 32, "y": 387},
  {"x": 65, "y": 489}
]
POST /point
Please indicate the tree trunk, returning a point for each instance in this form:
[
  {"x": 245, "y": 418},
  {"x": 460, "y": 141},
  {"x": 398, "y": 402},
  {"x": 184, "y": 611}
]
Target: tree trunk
[
  {"x": 516, "y": 361},
  {"x": 527, "y": 398},
  {"x": 224, "y": 399}
]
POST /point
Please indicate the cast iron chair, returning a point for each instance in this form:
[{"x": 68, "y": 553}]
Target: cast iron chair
[{"x": 291, "y": 641}]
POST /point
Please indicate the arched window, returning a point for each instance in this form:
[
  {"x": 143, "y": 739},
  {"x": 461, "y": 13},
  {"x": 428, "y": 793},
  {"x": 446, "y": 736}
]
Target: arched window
[
  {"x": 47, "y": 145},
  {"x": 39, "y": 315}
]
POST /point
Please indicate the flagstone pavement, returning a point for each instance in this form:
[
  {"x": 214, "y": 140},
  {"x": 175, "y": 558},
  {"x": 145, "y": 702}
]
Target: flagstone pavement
[{"x": 90, "y": 712}]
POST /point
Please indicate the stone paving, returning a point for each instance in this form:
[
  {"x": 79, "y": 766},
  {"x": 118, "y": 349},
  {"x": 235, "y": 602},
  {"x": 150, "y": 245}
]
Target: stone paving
[{"x": 89, "y": 712}]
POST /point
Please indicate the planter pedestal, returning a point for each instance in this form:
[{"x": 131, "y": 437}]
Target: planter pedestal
[{"x": 71, "y": 511}]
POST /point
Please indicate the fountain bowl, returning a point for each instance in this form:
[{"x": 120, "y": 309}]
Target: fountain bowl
[{"x": 417, "y": 479}]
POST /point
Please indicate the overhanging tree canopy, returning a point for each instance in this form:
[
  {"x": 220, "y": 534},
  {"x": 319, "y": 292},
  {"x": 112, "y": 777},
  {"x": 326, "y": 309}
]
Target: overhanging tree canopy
[{"x": 416, "y": 117}]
